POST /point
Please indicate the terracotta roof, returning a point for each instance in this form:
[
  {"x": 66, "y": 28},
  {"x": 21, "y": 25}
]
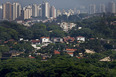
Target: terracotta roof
[
  {"x": 70, "y": 53},
  {"x": 35, "y": 41},
  {"x": 56, "y": 52},
  {"x": 71, "y": 49},
  {"x": 11, "y": 40},
  {"x": 80, "y": 36},
  {"x": 5, "y": 41},
  {"x": 31, "y": 57},
  {"x": 45, "y": 37},
  {"x": 68, "y": 38}
]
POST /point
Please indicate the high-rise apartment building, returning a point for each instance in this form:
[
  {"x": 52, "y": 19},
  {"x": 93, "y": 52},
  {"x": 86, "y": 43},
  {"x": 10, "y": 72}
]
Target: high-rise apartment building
[
  {"x": 7, "y": 11},
  {"x": 102, "y": 8},
  {"x": 112, "y": 7},
  {"x": 0, "y": 11},
  {"x": 34, "y": 10},
  {"x": 16, "y": 10},
  {"x": 27, "y": 12},
  {"x": 92, "y": 9},
  {"x": 53, "y": 12},
  {"x": 46, "y": 10},
  {"x": 39, "y": 13},
  {"x": 59, "y": 13}
]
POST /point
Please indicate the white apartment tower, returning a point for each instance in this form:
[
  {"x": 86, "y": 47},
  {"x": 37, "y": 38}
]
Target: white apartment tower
[
  {"x": 34, "y": 10},
  {"x": 16, "y": 10},
  {"x": 112, "y": 7},
  {"x": 53, "y": 12},
  {"x": 46, "y": 10},
  {"x": 59, "y": 13},
  {"x": 102, "y": 8},
  {"x": 7, "y": 11},
  {"x": 27, "y": 12},
  {"x": 0, "y": 11},
  {"x": 92, "y": 9}
]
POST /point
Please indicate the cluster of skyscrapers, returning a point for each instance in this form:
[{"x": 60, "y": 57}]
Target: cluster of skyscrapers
[
  {"x": 14, "y": 11},
  {"x": 110, "y": 8}
]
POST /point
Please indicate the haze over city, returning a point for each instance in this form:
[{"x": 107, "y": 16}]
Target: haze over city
[{"x": 59, "y": 4}]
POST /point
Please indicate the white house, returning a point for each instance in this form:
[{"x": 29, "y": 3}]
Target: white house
[
  {"x": 81, "y": 38},
  {"x": 45, "y": 40},
  {"x": 67, "y": 26},
  {"x": 54, "y": 40}
]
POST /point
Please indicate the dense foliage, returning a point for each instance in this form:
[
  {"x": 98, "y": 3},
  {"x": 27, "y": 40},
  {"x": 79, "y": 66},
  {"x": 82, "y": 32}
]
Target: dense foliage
[
  {"x": 58, "y": 66},
  {"x": 100, "y": 37}
]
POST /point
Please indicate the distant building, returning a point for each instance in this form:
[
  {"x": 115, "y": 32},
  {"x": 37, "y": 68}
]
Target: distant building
[
  {"x": 56, "y": 52},
  {"x": 67, "y": 26},
  {"x": 27, "y": 12},
  {"x": 112, "y": 7},
  {"x": 53, "y": 12},
  {"x": 89, "y": 51},
  {"x": 45, "y": 39},
  {"x": 70, "y": 51},
  {"x": 1, "y": 11},
  {"x": 57, "y": 40},
  {"x": 92, "y": 8},
  {"x": 7, "y": 11},
  {"x": 59, "y": 13},
  {"x": 102, "y": 8},
  {"x": 69, "y": 39},
  {"x": 16, "y": 10},
  {"x": 34, "y": 10},
  {"x": 80, "y": 38},
  {"x": 46, "y": 10}
]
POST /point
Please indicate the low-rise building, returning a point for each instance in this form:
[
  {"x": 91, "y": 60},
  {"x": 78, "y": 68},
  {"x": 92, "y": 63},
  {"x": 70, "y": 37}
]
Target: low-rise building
[
  {"x": 67, "y": 26},
  {"x": 80, "y": 38},
  {"x": 57, "y": 40},
  {"x": 69, "y": 39},
  {"x": 45, "y": 40},
  {"x": 70, "y": 51},
  {"x": 56, "y": 52}
]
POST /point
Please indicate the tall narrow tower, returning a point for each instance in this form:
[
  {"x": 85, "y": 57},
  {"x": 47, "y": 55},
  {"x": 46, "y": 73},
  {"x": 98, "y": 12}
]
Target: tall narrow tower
[
  {"x": 92, "y": 9},
  {"x": 46, "y": 10},
  {"x": 53, "y": 12},
  {"x": 102, "y": 8},
  {"x": 7, "y": 11},
  {"x": 112, "y": 7},
  {"x": 34, "y": 10},
  {"x": 16, "y": 10}
]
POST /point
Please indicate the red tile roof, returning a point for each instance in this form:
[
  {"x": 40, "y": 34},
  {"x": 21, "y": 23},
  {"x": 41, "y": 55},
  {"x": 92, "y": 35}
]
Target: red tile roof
[
  {"x": 71, "y": 49},
  {"x": 45, "y": 37},
  {"x": 31, "y": 57},
  {"x": 56, "y": 52},
  {"x": 68, "y": 38},
  {"x": 80, "y": 36},
  {"x": 35, "y": 41}
]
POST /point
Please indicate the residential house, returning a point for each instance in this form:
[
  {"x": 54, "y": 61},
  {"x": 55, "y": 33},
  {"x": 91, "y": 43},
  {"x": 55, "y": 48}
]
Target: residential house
[
  {"x": 10, "y": 54},
  {"x": 37, "y": 41},
  {"x": 67, "y": 26},
  {"x": 106, "y": 59},
  {"x": 57, "y": 40},
  {"x": 45, "y": 40},
  {"x": 69, "y": 39},
  {"x": 80, "y": 38},
  {"x": 36, "y": 44},
  {"x": 45, "y": 56},
  {"x": 70, "y": 51},
  {"x": 89, "y": 51},
  {"x": 56, "y": 52}
]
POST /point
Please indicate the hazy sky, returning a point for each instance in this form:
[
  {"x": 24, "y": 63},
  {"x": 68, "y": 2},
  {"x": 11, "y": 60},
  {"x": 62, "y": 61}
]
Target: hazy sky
[{"x": 60, "y": 3}]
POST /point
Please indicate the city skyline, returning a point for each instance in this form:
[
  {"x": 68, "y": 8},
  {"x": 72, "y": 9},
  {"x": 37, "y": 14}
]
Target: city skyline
[
  {"x": 13, "y": 11},
  {"x": 68, "y": 3}
]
